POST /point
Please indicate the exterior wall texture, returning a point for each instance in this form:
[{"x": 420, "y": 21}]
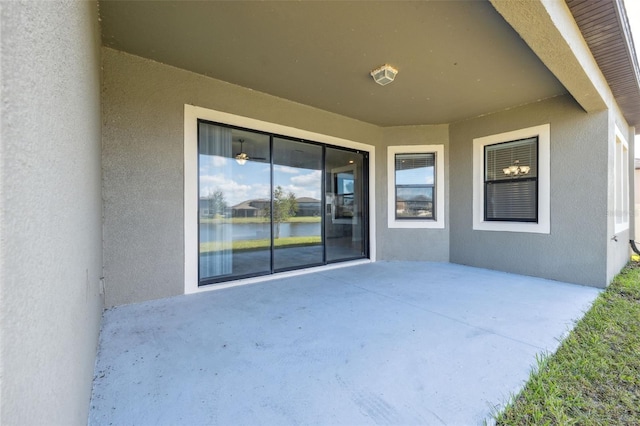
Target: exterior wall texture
[
  {"x": 411, "y": 244},
  {"x": 53, "y": 252},
  {"x": 636, "y": 195},
  {"x": 143, "y": 136},
  {"x": 618, "y": 249},
  {"x": 143, "y": 162},
  {"x": 575, "y": 250},
  {"x": 50, "y": 210}
]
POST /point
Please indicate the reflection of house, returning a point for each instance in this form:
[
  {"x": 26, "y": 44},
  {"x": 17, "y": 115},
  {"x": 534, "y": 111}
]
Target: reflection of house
[
  {"x": 256, "y": 208},
  {"x": 99, "y": 130},
  {"x": 250, "y": 208},
  {"x": 206, "y": 208},
  {"x": 308, "y": 206},
  {"x": 418, "y": 206}
]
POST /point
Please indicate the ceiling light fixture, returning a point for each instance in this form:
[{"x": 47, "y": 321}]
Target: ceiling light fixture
[
  {"x": 516, "y": 169},
  {"x": 384, "y": 75},
  {"x": 242, "y": 157}
]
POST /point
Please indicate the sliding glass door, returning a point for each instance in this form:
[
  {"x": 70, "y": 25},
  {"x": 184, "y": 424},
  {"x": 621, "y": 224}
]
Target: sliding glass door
[
  {"x": 235, "y": 228},
  {"x": 269, "y": 203},
  {"x": 297, "y": 182},
  {"x": 346, "y": 214}
]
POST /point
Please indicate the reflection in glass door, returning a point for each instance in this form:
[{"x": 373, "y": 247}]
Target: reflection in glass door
[
  {"x": 269, "y": 203},
  {"x": 234, "y": 188},
  {"x": 346, "y": 213},
  {"x": 297, "y": 182}
]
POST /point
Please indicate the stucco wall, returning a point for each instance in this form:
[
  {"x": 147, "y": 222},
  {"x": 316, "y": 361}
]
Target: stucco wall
[
  {"x": 576, "y": 249},
  {"x": 618, "y": 248},
  {"x": 411, "y": 244},
  {"x": 143, "y": 132},
  {"x": 636, "y": 194},
  {"x": 50, "y": 210},
  {"x": 143, "y": 135}
]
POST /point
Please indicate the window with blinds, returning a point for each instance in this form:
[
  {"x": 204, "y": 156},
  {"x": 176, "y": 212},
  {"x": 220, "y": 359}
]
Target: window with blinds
[
  {"x": 415, "y": 183},
  {"x": 511, "y": 181}
]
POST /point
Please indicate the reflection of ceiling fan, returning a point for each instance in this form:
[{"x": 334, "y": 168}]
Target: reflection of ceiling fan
[{"x": 242, "y": 156}]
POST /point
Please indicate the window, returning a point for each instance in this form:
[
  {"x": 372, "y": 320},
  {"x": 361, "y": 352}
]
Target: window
[
  {"x": 621, "y": 176},
  {"x": 511, "y": 181},
  {"x": 336, "y": 235},
  {"x": 415, "y": 180},
  {"x": 416, "y": 186},
  {"x": 252, "y": 224}
]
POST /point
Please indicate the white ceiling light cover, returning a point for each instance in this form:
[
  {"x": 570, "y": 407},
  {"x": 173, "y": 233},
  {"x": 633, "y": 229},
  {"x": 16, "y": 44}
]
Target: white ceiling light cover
[{"x": 384, "y": 75}]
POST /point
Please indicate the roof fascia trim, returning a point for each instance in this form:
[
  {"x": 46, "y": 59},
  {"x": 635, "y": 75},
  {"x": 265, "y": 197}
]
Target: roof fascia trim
[
  {"x": 549, "y": 29},
  {"x": 626, "y": 32}
]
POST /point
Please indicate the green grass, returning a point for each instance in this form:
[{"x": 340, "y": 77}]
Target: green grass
[
  {"x": 213, "y": 246},
  {"x": 294, "y": 219},
  {"x": 594, "y": 377}
]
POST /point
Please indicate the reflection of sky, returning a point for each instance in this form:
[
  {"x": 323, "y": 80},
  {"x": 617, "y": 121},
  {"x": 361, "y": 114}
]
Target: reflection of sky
[
  {"x": 417, "y": 176},
  {"x": 252, "y": 180}
]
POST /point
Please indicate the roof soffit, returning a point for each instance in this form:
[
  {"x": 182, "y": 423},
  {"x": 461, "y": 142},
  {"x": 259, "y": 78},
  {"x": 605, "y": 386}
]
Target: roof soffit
[
  {"x": 605, "y": 28},
  {"x": 587, "y": 44},
  {"x": 456, "y": 59},
  {"x": 549, "y": 29}
]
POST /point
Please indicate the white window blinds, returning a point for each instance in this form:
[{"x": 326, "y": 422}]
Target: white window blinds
[{"x": 511, "y": 181}]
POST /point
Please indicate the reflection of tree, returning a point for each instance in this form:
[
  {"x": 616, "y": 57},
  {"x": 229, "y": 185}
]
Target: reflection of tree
[
  {"x": 284, "y": 206},
  {"x": 217, "y": 203}
]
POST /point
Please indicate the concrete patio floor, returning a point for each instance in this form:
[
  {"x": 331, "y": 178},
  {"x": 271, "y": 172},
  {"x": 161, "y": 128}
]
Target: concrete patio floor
[{"x": 379, "y": 343}]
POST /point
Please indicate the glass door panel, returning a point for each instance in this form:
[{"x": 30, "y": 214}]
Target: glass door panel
[
  {"x": 345, "y": 210},
  {"x": 297, "y": 223},
  {"x": 269, "y": 204},
  {"x": 234, "y": 188}
]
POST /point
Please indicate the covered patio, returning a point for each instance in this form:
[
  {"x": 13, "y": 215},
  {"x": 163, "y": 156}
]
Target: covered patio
[
  {"x": 100, "y": 189},
  {"x": 376, "y": 343}
]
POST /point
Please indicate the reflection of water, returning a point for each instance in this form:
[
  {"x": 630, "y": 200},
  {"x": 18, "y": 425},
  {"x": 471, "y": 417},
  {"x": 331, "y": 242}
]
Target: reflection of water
[{"x": 253, "y": 231}]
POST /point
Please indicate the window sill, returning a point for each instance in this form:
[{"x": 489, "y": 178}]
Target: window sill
[
  {"x": 416, "y": 224},
  {"x": 535, "y": 228}
]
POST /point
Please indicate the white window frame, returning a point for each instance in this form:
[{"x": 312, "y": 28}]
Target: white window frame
[
  {"x": 191, "y": 196},
  {"x": 543, "y": 226},
  {"x": 621, "y": 185},
  {"x": 439, "y": 221}
]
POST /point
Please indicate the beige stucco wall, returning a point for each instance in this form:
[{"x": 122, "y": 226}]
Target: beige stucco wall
[
  {"x": 636, "y": 194},
  {"x": 143, "y": 158},
  {"x": 411, "y": 244},
  {"x": 143, "y": 137},
  {"x": 50, "y": 211},
  {"x": 549, "y": 28},
  {"x": 618, "y": 248},
  {"x": 576, "y": 249}
]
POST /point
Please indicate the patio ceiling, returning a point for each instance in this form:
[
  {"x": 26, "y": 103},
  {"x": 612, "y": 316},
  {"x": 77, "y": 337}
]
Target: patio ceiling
[{"x": 456, "y": 59}]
